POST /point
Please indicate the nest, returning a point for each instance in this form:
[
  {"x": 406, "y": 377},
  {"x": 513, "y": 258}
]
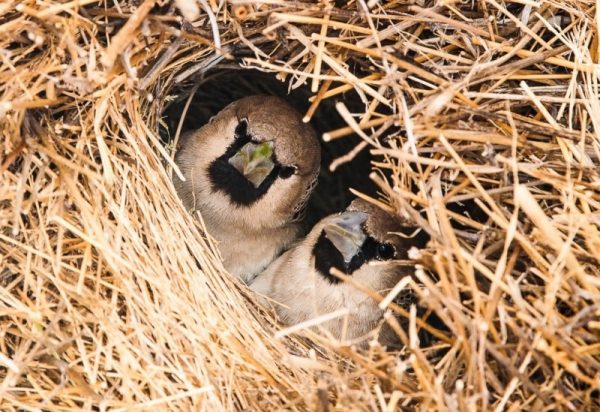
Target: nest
[{"x": 478, "y": 120}]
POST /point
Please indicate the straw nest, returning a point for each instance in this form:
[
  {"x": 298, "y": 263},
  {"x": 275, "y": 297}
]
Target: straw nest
[{"x": 480, "y": 120}]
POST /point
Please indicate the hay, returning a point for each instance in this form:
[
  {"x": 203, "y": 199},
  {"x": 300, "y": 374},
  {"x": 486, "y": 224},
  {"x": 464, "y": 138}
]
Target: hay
[{"x": 482, "y": 123}]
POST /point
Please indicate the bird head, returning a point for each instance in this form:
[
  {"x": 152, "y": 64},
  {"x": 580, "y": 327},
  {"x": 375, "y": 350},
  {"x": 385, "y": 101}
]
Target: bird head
[
  {"x": 364, "y": 242},
  {"x": 255, "y": 163}
]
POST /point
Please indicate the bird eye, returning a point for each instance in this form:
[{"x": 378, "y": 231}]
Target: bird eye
[
  {"x": 241, "y": 130},
  {"x": 385, "y": 251},
  {"x": 287, "y": 171}
]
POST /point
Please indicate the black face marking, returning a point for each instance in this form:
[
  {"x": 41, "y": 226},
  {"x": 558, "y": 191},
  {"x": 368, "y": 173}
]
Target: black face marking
[
  {"x": 227, "y": 179},
  {"x": 327, "y": 256}
]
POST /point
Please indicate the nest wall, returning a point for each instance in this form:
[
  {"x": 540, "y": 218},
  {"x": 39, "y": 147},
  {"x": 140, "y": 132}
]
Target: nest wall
[{"x": 480, "y": 123}]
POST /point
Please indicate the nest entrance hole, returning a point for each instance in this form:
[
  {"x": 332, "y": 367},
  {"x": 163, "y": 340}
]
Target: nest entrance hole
[{"x": 221, "y": 87}]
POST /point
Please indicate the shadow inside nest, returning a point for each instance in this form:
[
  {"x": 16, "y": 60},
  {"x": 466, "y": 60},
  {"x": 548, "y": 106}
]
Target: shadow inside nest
[{"x": 221, "y": 87}]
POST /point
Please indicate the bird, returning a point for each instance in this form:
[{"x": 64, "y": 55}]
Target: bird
[
  {"x": 363, "y": 242},
  {"x": 249, "y": 172}
]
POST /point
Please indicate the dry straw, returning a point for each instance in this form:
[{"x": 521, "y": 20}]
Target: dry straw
[{"x": 112, "y": 298}]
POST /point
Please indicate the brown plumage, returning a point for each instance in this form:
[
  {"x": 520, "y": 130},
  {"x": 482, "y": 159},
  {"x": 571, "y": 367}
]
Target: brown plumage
[
  {"x": 249, "y": 171},
  {"x": 365, "y": 243}
]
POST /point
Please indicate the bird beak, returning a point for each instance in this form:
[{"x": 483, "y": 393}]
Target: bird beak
[
  {"x": 346, "y": 233},
  {"x": 254, "y": 161}
]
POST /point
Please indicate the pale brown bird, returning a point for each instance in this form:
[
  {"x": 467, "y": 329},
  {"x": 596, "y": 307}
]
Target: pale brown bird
[
  {"x": 249, "y": 172},
  {"x": 363, "y": 242}
]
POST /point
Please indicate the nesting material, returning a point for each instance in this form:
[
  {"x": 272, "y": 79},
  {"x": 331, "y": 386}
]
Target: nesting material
[{"x": 482, "y": 122}]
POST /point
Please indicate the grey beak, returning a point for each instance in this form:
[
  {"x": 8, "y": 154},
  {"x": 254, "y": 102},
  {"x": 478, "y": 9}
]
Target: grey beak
[
  {"x": 346, "y": 233},
  {"x": 254, "y": 161}
]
